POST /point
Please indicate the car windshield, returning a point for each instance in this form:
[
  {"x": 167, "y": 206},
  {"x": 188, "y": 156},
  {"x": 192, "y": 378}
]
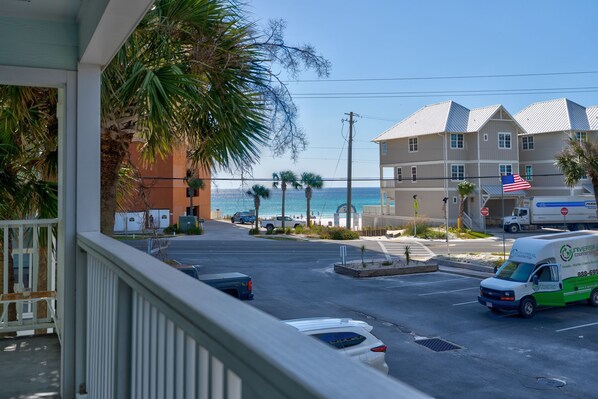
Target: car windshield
[{"x": 515, "y": 271}]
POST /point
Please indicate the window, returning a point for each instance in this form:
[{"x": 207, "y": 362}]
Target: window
[
  {"x": 341, "y": 339},
  {"x": 527, "y": 143},
  {"x": 528, "y": 173},
  {"x": 485, "y": 137},
  {"x": 413, "y": 174},
  {"x": 457, "y": 172},
  {"x": 383, "y": 148},
  {"x": 581, "y": 136},
  {"x": 457, "y": 140},
  {"x": 454, "y": 200},
  {"x": 413, "y": 144},
  {"x": 505, "y": 169},
  {"x": 504, "y": 141},
  {"x": 399, "y": 175}
]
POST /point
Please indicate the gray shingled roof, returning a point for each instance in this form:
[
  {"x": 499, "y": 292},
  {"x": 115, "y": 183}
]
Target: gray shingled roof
[
  {"x": 445, "y": 117},
  {"x": 557, "y": 116}
]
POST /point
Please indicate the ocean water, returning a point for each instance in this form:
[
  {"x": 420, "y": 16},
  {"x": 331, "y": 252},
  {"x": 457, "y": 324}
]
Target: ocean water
[{"x": 324, "y": 202}]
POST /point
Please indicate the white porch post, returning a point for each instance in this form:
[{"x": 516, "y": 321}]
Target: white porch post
[{"x": 79, "y": 210}]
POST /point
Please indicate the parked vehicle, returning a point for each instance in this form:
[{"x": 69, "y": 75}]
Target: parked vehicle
[
  {"x": 242, "y": 217},
  {"x": 236, "y": 284},
  {"x": 547, "y": 270},
  {"x": 546, "y": 211},
  {"x": 271, "y": 224},
  {"x": 353, "y": 338}
]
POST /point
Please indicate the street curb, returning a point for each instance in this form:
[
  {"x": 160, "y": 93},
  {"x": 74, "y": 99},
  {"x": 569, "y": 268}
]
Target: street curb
[{"x": 466, "y": 265}]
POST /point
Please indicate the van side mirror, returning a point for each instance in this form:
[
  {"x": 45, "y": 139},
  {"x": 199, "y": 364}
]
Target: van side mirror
[{"x": 535, "y": 279}]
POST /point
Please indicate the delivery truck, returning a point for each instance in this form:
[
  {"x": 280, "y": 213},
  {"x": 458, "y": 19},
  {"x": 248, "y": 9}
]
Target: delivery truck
[
  {"x": 547, "y": 270},
  {"x": 574, "y": 212}
]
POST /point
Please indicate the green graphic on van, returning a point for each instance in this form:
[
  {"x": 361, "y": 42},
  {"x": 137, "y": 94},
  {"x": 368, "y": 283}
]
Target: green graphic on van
[{"x": 566, "y": 253}]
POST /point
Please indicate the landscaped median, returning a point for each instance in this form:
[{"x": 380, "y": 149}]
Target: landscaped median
[{"x": 376, "y": 268}]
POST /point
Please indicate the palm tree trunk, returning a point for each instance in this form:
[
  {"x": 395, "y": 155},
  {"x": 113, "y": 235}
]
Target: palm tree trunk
[
  {"x": 191, "y": 192},
  {"x": 284, "y": 189},
  {"x": 115, "y": 148},
  {"x": 256, "y": 205},
  {"x": 308, "y": 197}
]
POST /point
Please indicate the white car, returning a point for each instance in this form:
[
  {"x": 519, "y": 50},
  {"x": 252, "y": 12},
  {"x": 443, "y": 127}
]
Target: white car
[{"x": 353, "y": 337}]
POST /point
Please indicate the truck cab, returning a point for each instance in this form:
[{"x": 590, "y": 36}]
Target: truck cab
[{"x": 519, "y": 218}]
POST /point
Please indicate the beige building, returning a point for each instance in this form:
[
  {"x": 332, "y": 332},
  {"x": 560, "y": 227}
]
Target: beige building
[
  {"x": 548, "y": 126},
  {"x": 427, "y": 154}
]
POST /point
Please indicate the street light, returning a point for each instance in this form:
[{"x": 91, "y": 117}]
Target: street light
[
  {"x": 415, "y": 206},
  {"x": 445, "y": 206}
]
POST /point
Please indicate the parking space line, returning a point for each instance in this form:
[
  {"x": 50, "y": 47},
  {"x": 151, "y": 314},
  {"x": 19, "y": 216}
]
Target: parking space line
[
  {"x": 464, "y": 303},
  {"x": 580, "y": 326},
  {"x": 429, "y": 282},
  {"x": 447, "y": 292}
]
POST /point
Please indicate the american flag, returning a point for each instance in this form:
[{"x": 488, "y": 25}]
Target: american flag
[{"x": 514, "y": 183}]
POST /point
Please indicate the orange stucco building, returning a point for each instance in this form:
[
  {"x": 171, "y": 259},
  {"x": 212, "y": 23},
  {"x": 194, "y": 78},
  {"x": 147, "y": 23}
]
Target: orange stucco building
[{"x": 163, "y": 186}]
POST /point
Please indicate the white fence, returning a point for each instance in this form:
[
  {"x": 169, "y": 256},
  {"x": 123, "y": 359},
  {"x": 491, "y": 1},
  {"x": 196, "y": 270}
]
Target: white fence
[
  {"x": 153, "y": 332},
  {"x": 29, "y": 246}
]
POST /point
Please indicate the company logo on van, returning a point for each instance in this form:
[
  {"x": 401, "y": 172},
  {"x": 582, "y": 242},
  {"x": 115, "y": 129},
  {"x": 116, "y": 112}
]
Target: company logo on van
[{"x": 566, "y": 253}]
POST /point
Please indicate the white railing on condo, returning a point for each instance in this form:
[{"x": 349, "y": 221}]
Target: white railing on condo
[
  {"x": 369, "y": 210},
  {"x": 29, "y": 246},
  {"x": 387, "y": 183},
  {"x": 153, "y": 332}
]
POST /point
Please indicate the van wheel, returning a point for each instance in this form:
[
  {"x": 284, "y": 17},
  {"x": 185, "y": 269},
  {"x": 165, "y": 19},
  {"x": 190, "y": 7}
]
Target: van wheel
[
  {"x": 513, "y": 228},
  {"x": 527, "y": 307},
  {"x": 593, "y": 300}
]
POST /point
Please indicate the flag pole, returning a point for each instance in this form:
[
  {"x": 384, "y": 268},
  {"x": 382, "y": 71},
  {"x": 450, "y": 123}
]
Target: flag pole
[{"x": 502, "y": 195}]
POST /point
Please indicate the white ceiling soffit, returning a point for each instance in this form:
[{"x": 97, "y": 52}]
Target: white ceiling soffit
[{"x": 105, "y": 25}]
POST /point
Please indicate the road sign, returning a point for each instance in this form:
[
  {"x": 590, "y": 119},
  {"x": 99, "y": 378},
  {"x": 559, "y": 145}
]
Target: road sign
[
  {"x": 564, "y": 211},
  {"x": 485, "y": 211}
]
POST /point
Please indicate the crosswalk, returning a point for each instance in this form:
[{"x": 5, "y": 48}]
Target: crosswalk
[{"x": 397, "y": 248}]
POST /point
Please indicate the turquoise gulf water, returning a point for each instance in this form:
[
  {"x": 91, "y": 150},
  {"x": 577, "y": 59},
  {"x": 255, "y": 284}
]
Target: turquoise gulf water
[{"x": 323, "y": 203}]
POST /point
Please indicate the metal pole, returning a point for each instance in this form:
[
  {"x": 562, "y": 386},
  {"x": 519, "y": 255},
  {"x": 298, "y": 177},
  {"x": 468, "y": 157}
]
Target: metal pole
[
  {"x": 502, "y": 195},
  {"x": 349, "y": 170}
]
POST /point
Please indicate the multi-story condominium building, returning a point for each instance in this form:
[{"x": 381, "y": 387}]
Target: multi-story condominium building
[
  {"x": 428, "y": 153},
  {"x": 548, "y": 126}
]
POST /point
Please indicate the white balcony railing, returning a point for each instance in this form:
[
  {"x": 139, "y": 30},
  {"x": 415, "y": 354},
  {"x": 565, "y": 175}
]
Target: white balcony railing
[
  {"x": 390, "y": 183},
  {"x": 154, "y": 332},
  {"x": 29, "y": 247}
]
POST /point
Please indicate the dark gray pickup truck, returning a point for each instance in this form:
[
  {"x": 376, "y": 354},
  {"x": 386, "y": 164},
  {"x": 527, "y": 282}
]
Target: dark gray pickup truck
[{"x": 236, "y": 284}]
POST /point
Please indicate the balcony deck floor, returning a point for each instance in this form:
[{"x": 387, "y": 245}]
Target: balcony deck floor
[{"x": 30, "y": 367}]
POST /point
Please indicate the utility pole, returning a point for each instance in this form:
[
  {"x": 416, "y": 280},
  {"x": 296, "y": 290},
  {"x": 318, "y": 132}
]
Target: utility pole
[{"x": 349, "y": 169}]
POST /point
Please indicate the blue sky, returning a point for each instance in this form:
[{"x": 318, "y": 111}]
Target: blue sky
[{"x": 423, "y": 39}]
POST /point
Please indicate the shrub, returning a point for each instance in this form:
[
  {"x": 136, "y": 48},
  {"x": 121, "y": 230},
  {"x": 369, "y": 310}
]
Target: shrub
[
  {"x": 269, "y": 232},
  {"x": 387, "y": 263},
  {"x": 253, "y": 231},
  {"x": 278, "y": 230},
  {"x": 194, "y": 231},
  {"x": 422, "y": 228},
  {"x": 299, "y": 229},
  {"x": 173, "y": 228},
  {"x": 288, "y": 230},
  {"x": 340, "y": 233}
]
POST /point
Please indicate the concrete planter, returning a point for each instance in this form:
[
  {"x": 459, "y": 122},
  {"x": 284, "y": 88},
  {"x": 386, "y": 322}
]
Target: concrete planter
[{"x": 377, "y": 269}]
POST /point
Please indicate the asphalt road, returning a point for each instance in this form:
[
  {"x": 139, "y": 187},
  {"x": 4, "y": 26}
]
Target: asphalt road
[{"x": 498, "y": 356}]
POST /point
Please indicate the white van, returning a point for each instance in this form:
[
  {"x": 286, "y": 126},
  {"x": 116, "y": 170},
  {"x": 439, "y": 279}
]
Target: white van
[{"x": 548, "y": 270}]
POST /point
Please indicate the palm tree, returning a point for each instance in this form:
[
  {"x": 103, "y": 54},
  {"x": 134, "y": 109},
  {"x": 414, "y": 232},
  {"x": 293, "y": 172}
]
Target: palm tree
[
  {"x": 194, "y": 184},
  {"x": 285, "y": 178},
  {"x": 310, "y": 181},
  {"x": 257, "y": 192},
  {"x": 28, "y": 165},
  {"x": 579, "y": 159},
  {"x": 465, "y": 189}
]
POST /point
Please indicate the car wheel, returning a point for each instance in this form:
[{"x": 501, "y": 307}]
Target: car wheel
[
  {"x": 270, "y": 228},
  {"x": 593, "y": 300},
  {"x": 527, "y": 307},
  {"x": 513, "y": 228},
  {"x": 297, "y": 225}
]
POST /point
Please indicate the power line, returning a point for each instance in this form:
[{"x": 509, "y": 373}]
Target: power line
[
  {"x": 452, "y": 93},
  {"x": 449, "y": 77}
]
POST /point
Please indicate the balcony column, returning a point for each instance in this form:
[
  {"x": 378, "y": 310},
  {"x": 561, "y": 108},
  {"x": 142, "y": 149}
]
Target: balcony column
[{"x": 79, "y": 211}]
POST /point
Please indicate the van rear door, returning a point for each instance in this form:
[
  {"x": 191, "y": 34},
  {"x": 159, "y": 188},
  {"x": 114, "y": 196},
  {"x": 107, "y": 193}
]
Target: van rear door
[{"x": 549, "y": 290}]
